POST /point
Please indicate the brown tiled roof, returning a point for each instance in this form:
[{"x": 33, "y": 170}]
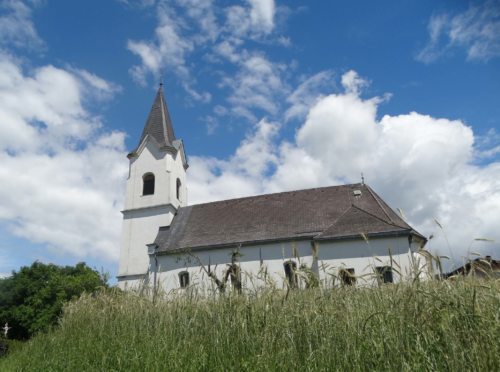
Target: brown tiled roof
[
  {"x": 159, "y": 125},
  {"x": 321, "y": 213}
]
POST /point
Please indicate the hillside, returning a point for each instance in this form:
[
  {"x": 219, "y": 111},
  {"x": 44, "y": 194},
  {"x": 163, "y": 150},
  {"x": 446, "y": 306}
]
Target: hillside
[{"x": 449, "y": 325}]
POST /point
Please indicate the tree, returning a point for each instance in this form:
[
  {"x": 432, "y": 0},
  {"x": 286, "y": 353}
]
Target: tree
[{"x": 32, "y": 299}]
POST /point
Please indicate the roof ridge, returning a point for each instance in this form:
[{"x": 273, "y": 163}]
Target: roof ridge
[
  {"x": 379, "y": 204},
  {"x": 276, "y": 193},
  {"x": 338, "y": 219},
  {"x": 378, "y": 218}
]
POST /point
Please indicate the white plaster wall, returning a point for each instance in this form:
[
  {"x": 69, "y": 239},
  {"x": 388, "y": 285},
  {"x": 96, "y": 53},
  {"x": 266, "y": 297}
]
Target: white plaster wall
[
  {"x": 140, "y": 228},
  {"x": 363, "y": 256},
  {"x": 131, "y": 282},
  {"x": 254, "y": 275},
  {"x": 175, "y": 168},
  {"x": 358, "y": 254},
  {"x": 166, "y": 169}
]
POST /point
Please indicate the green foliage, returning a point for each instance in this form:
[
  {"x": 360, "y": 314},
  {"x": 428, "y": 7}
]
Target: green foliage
[
  {"x": 428, "y": 326},
  {"x": 32, "y": 299}
]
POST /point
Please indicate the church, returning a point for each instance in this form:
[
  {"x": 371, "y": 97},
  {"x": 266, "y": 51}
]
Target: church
[{"x": 337, "y": 235}]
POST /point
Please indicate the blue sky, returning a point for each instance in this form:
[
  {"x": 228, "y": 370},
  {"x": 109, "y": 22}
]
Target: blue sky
[{"x": 267, "y": 96}]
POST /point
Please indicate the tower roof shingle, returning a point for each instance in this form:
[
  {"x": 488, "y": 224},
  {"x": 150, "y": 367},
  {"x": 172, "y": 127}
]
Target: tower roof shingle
[{"x": 159, "y": 125}]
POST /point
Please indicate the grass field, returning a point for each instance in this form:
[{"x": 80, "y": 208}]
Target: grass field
[{"x": 435, "y": 325}]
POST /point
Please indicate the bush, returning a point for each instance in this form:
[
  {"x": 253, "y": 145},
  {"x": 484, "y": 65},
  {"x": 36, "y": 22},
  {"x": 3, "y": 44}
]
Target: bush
[{"x": 32, "y": 299}]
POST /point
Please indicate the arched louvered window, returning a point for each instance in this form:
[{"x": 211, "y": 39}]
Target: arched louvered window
[
  {"x": 178, "y": 188},
  {"x": 148, "y": 184}
]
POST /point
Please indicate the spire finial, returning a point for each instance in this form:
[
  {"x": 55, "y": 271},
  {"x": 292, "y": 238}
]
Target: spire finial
[
  {"x": 161, "y": 81},
  {"x": 362, "y": 178}
]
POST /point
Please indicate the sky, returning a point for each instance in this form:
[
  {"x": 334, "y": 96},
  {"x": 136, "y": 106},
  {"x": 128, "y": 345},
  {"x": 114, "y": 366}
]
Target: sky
[{"x": 267, "y": 96}]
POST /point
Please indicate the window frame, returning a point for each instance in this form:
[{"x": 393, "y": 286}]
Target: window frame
[
  {"x": 184, "y": 279},
  {"x": 384, "y": 274},
  {"x": 148, "y": 184},
  {"x": 347, "y": 276}
]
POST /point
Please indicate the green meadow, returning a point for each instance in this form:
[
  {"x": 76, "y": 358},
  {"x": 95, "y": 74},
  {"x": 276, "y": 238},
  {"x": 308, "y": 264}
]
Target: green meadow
[{"x": 433, "y": 325}]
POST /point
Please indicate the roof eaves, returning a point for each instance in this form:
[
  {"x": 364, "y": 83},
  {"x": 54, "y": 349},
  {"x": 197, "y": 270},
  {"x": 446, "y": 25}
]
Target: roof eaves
[{"x": 233, "y": 244}]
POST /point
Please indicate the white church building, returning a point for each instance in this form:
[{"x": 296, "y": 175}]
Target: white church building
[{"x": 338, "y": 235}]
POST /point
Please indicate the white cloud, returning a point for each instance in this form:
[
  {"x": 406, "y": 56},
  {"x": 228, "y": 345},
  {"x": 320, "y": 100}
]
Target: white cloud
[
  {"x": 169, "y": 48},
  {"x": 307, "y": 93},
  {"x": 353, "y": 83},
  {"x": 202, "y": 12},
  {"x": 188, "y": 27},
  {"x": 61, "y": 177},
  {"x": 257, "y": 85},
  {"x": 255, "y": 20},
  {"x": 423, "y": 165},
  {"x": 262, "y": 15},
  {"x": 477, "y": 30},
  {"x": 16, "y": 26},
  {"x": 241, "y": 175},
  {"x": 100, "y": 89}
]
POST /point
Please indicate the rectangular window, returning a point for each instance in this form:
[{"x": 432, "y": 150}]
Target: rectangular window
[
  {"x": 384, "y": 274},
  {"x": 184, "y": 279},
  {"x": 347, "y": 276}
]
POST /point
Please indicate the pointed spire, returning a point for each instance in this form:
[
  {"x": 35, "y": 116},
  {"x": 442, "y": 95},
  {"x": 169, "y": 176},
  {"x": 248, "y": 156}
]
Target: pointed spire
[{"x": 159, "y": 125}]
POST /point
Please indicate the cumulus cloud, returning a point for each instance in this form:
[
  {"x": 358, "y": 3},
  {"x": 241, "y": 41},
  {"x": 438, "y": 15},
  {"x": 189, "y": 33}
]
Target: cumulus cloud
[
  {"x": 477, "y": 30},
  {"x": 16, "y": 26},
  {"x": 421, "y": 164},
  {"x": 61, "y": 176},
  {"x": 242, "y": 174}
]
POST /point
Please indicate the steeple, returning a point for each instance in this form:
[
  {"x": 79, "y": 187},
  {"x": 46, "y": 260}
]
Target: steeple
[
  {"x": 159, "y": 125},
  {"x": 156, "y": 189}
]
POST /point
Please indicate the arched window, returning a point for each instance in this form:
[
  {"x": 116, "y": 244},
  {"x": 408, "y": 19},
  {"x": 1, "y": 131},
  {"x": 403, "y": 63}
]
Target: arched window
[
  {"x": 148, "y": 184},
  {"x": 290, "y": 273},
  {"x": 178, "y": 188},
  {"x": 184, "y": 279}
]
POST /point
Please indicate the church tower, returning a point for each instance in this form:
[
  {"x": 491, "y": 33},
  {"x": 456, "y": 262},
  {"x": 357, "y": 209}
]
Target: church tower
[{"x": 156, "y": 188}]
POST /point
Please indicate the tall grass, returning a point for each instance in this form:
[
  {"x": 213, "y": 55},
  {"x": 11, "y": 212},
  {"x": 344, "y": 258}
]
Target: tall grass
[{"x": 435, "y": 325}]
